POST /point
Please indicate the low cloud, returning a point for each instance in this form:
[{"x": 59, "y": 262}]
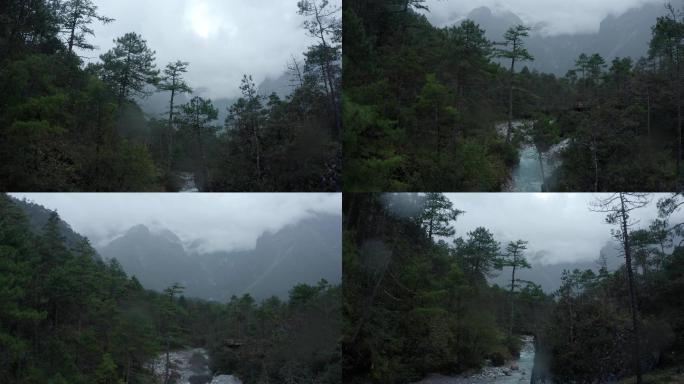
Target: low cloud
[
  {"x": 556, "y": 16},
  {"x": 221, "y": 39},
  {"x": 220, "y": 221},
  {"x": 560, "y": 227}
]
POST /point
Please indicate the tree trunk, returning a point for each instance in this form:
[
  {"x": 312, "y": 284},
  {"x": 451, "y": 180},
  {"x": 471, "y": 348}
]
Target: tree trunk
[
  {"x": 257, "y": 148},
  {"x": 510, "y": 326},
  {"x": 170, "y": 130},
  {"x": 72, "y": 34},
  {"x": 510, "y": 99},
  {"x": 437, "y": 129},
  {"x": 648, "y": 108},
  {"x": 632, "y": 296},
  {"x": 202, "y": 162},
  {"x": 594, "y": 156},
  {"x": 328, "y": 75},
  {"x": 679, "y": 127},
  {"x": 168, "y": 361},
  {"x": 541, "y": 167},
  {"x": 128, "y": 368}
]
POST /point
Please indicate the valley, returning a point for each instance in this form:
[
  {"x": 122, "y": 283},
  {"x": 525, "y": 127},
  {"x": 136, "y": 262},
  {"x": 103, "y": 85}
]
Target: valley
[{"x": 70, "y": 313}]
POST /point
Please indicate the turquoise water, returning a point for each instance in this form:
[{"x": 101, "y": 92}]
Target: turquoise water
[{"x": 496, "y": 375}]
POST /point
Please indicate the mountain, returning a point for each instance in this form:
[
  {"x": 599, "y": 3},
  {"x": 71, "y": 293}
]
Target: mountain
[
  {"x": 281, "y": 85},
  {"x": 299, "y": 253},
  {"x": 157, "y": 104},
  {"x": 626, "y": 35},
  {"x": 38, "y": 217},
  {"x": 549, "y": 275}
]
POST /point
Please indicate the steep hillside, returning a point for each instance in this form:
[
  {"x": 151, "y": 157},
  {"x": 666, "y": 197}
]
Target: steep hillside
[
  {"x": 38, "y": 215},
  {"x": 626, "y": 35},
  {"x": 300, "y": 253}
]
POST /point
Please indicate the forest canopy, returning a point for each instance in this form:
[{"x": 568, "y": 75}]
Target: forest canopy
[
  {"x": 429, "y": 108},
  {"x": 71, "y": 125},
  {"x": 69, "y": 316},
  {"x": 419, "y": 299}
]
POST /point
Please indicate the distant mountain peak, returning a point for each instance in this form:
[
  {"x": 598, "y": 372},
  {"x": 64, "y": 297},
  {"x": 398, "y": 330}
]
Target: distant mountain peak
[
  {"x": 303, "y": 252},
  {"x": 482, "y": 11},
  {"x": 140, "y": 229}
]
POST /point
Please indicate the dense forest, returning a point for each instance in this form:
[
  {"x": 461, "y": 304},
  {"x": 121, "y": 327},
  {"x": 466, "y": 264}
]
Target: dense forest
[
  {"x": 68, "y": 125},
  {"x": 68, "y": 316},
  {"x": 416, "y": 305},
  {"x": 427, "y": 108}
]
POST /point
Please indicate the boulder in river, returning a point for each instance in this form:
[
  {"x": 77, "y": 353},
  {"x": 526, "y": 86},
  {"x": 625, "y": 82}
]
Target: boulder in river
[
  {"x": 226, "y": 379},
  {"x": 189, "y": 366}
]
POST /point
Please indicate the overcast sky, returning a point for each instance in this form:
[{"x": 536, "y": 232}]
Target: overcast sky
[
  {"x": 560, "y": 16},
  {"x": 559, "y": 226},
  {"x": 225, "y": 221},
  {"x": 221, "y": 39}
]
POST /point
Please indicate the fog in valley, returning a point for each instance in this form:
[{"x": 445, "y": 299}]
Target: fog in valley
[
  {"x": 560, "y": 30},
  {"x": 216, "y": 245},
  {"x": 563, "y": 233}
]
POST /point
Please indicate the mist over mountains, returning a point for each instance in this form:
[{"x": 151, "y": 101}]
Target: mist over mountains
[
  {"x": 304, "y": 252},
  {"x": 549, "y": 275},
  {"x": 626, "y": 35},
  {"x": 157, "y": 104}
]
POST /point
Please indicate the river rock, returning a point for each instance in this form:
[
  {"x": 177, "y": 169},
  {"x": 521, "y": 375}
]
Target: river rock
[
  {"x": 189, "y": 366},
  {"x": 226, "y": 379}
]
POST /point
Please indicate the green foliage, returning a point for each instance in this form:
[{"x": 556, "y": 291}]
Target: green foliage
[
  {"x": 592, "y": 319},
  {"x": 628, "y": 121},
  {"x": 68, "y": 126},
  {"x": 411, "y": 306},
  {"x": 283, "y": 342},
  {"x": 438, "y": 213},
  {"x": 75, "y": 16},
  {"x": 270, "y": 144},
  {"x": 513, "y": 40},
  {"x": 66, "y": 316},
  {"x": 478, "y": 255},
  {"x": 419, "y": 106},
  {"x": 129, "y": 67}
]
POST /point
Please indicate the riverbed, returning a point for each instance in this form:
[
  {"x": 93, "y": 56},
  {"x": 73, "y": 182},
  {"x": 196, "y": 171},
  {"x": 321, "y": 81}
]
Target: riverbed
[
  {"x": 526, "y": 176},
  {"x": 517, "y": 371},
  {"x": 189, "y": 366},
  {"x": 188, "y": 182}
]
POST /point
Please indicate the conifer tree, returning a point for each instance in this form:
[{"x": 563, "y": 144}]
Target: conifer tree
[
  {"x": 129, "y": 68},
  {"x": 515, "y": 52},
  {"x": 75, "y": 18}
]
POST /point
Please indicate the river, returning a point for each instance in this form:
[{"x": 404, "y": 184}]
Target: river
[
  {"x": 189, "y": 366},
  {"x": 526, "y": 176},
  {"x": 513, "y": 372},
  {"x": 188, "y": 182}
]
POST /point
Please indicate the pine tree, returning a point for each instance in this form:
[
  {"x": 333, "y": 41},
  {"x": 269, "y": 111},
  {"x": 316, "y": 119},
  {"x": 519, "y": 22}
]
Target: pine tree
[
  {"x": 75, "y": 18},
  {"x": 478, "y": 255},
  {"x": 172, "y": 81},
  {"x": 196, "y": 117},
  {"x": 618, "y": 208},
  {"x": 129, "y": 68},
  {"x": 513, "y": 40},
  {"x": 514, "y": 258},
  {"x": 327, "y": 29},
  {"x": 438, "y": 212}
]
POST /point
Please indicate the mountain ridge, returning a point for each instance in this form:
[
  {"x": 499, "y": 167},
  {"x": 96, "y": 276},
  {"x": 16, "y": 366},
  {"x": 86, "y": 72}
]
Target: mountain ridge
[
  {"x": 304, "y": 252},
  {"x": 626, "y": 35}
]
